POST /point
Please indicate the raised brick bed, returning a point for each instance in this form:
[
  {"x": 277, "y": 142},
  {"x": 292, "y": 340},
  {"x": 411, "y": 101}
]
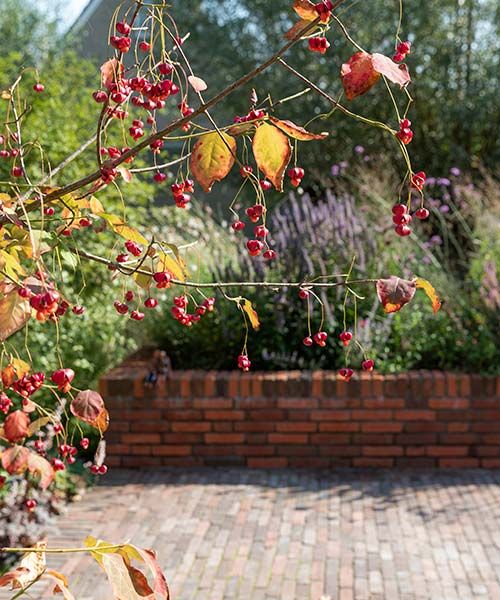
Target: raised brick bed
[{"x": 302, "y": 419}]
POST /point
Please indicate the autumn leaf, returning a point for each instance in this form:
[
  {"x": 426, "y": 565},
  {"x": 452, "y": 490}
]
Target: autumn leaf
[
  {"x": 395, "y": 292},
  {"x": 31, "y": 568},
  {"x": 88, "y": 406},
  {"x": 241, "y": 128},
  {"x": 119, "y": 226},
  {"x": 40, "y": 466},
  {"x": 8, "y": 375},
  {"x": 197, "y": 83},
  {"x": 126, "y": 174},
  {"x": 296, "y": 131},
  {"x": 212, "y": 158},
  {"x": 15, "y": 311},
  {"x": 430, "y": 291},
  {"x": 253, "y": 317},
  {"x": 21, "y": 367},
  {"x": 394, "y": 72},
  {"x": 15, "y": 459},
  {"x": 272, "y": 151},
  {"x": 38, "y": 424},
  {"x": 61, "y": 583},
  {"x": 111, "y": 71},
  {"x": 296, "y": 29},
  {"x": 16, "y": 426},
  {"x": 358, "y": 75},
  {"x": 305, "y": 9}
]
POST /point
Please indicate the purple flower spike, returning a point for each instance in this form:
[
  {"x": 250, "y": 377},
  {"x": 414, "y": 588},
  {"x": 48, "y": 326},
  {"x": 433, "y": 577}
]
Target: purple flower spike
[{"x": 455, "y": 171}]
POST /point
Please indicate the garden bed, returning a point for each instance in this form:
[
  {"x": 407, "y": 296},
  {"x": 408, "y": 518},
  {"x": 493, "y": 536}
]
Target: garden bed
[{"x": 301, "y": 419}]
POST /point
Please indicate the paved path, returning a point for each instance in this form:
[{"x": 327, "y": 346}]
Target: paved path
[{"x": 293, "y": 535}]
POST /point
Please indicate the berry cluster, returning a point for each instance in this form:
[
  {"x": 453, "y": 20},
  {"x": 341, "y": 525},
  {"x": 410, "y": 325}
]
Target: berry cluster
[
  {"x": 253, "y": 115},
  {"x": 296, "y": 174},
  {"x": 179, "y": 310},
  {"x": 244, "y": 363},
  {"x": 318, "y": 44},
  {"x": 63, "y": 378},
  {"x": 402, "y": 49},
  {"x": 405, "y": 134},
  {"x": 402, "y": 218},
  {"x": 324, "y": 10},
  {"x": 256, "y": 246},
  {"x": 181, "y": 191}
]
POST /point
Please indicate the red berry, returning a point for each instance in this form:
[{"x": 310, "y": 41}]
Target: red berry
[
  {"x": 100, "y": 96},
  {"x": 345, "y": 337},
  {"x": 346, "y": 374},
  {"x": 404, "y": 47},
  {"x": 57, "y": 464},
  {"x": 246, "y": 170},
  {"x": 129, "y": 295},
  {"x": 320, "y": 338},
  {"x": 17, "y": 171},
  {"x": 399, "y": 209},
  {"x": 94, "y": 469},
  {"x": 422, "y": 213},
  {"x": 265, "y": 185},
  {"x": 269, "y": 254},
  {"x": 244, "y": 362},
  {"x": 38, "y": 87},
  {"x": 137, "y": 315},
  {"x": 30, "y": 504},
  {"x": 401, "y": 219},
  {"x": 159, "y": 177},
  {"x": 418, "y": 180},
  {"x": 145, "y": 46},
  {"x": 303, "y": 294},
  {"x": 123, "y": 28},
  {"x": 151, "y": 303},
  {"x": 308, "y": 341},
  {"x": 133, "y": 248},
  {"x": 58, "y": 428},
  {"x": 165, "y": 68},
  {"x": 238, "y": 225},
  {"x": 368, "y": 365},
  {"x": 78, "y": 309},
  {"x": 402, "y": 230},
  {"x": 122, "y": 258},
  {"x": 120, "y": 307},
  {"x": 103, "y": 469},
  {"x": 398, "y": 57},
  {"x": 260, "y": 231},
  {"x": 254, "y": 247},
  {"x": 84, "y": 443},
  {"x": 318, "y": 44}
]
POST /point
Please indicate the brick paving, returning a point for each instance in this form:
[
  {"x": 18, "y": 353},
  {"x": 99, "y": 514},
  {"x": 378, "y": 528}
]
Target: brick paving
[{"x": 244, "y": 534}]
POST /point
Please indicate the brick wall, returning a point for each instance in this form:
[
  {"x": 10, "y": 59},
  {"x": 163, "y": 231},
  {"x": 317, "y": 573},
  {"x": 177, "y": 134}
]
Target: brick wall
[{"x": 302, "y": 419}]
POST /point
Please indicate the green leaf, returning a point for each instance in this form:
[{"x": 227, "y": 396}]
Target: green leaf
[
  {"x": 212, "y": 158},
  {"x": 272, "y": 152}
]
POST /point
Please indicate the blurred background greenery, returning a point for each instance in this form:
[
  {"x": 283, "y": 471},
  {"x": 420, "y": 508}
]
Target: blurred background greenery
[{"x": 343, "y": 209}]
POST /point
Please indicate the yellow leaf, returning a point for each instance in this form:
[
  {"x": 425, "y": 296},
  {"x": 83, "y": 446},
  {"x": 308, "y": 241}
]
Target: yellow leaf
[
  {"x": 428, "y": 288},
  {"x": 212, "y": 158},
  {"x": 253, "y": 317},
  {"x": 272, "y": 152},
  {"x": 15, "y": 311},
  {"x": 305, "y": 9},
  {"x": 296, "y": 131},
  {"x": 119, "y": 226},
  {"x": 37, "y": 424},
  {"x": 10, "y": 265}
]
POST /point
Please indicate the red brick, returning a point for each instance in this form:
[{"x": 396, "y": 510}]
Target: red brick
[
  {"x": 140, "y": 450},
  {"x": 490, "y": 463},
  {"x": 141, "y": 461},
  {"x": 297, "y": 403},
  {"x": 141, "y": 415},
  {"x": 451, "y": 385},
  {"x": 141, "y": 438},
  {"x": 224, "y": 427},
  {"x": 254, "y": 426},
  {"x": 424, "y": 426},
  {"x": 288, "y": 438},
  {"x": 339, "y": 427},
  {"x": 415, "y": 451},
  {"x": 458, "y": 427},
  {"x": 458, "y": 438},
  {"x": 114, "y": 461},
  {"x": 181, "y": 461},
  {"x": 255, "y": 450},
  {"x": 439, "y": 383},
  {"x": 415, "y": 415},
  {"x": 330, "y": 415},
  {"x": 415, "y": 462},
  {"x": 172, "y": 450},
  {"x": 453, "y": 403},
  {"x": 382, "y": 427},
  {"x": 447, "y": 451},
  {"x": 182, "y": 438},
  {"x": 330, "y": 438},
  {"x": 224, "y": 438},
  {"x": 183, "y": 415},
  {"x": 373, "y": 461},
  {"x": 296, "y": 450},
  {"x": 296, "y": 426},
  {"x": 458, "y": 463},
  {"x": 487, "y": 450},
  {"x": 371, "y": 415},
  {"x": 117, "y": 449},
  {"x": 192, "y": 426},
  {"x": 217, "y": 450},
  {"x": 212, "y": 403},
  {"x": 150, "y": 427},
  {"x": 372, "y": 439},
  {"x": 268, "y": 463},
  {"x": 266, "y": 415},
  {"x": 224, "y": 415},
  {"x": 317, "y": 384},
  {"x": 416, "y": 438},
  {"x": 383, "y": 403},
  {"x": 255, "y": 438},
  {"x": 489, "y": 438},
  {"x": 382, "y": 451},
  {"x": 464, "y": 385},
  {"x": 309, "y": 462},
  {"x": 343, "y": 451}
]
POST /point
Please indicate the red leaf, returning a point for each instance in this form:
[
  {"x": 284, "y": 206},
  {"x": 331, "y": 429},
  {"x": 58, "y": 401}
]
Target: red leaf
[
  {"x": 87, "y": 406},
  {"x": 358, "y": 75},
  {"x": 394, "y": 72},
  {"x": 40, "y": 466},
  {"x": 15, "y": 459},
  {"x": 305, "y": 9},
  {"x": 16, "y": 426},
  {"x": 111, "y": 71},
  {"x": 395, "y": 292}
]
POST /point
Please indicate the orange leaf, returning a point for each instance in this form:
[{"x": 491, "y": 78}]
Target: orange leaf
[
  {"x": 394, "y": 72},
  {"x": 428, "y": 288},
  {"x": 358, "y": 75},
  {"x": 15, "y": 311},
  {"x": 296, "y": 29},
  {"x": 272, "y": 151},
  {"x": 40, "y": 466},
  {"x": 305, "y": 9},
  {"x": 111, "y": 71},
  {"x": 212, "y": 158},
  {"x": 15, "y": 459},
  {"x": 8, "y": 375},
  {"x": 395, "y": 292},
  {"x": 16, "y": 426},
  {"x": 87, "y": 406},
  {"x": 296, "y": 131},
  {"x": 253, "y": 317}
]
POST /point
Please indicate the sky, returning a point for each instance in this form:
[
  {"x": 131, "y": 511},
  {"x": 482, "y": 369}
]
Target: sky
[{"x": 67, "y": 10}]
